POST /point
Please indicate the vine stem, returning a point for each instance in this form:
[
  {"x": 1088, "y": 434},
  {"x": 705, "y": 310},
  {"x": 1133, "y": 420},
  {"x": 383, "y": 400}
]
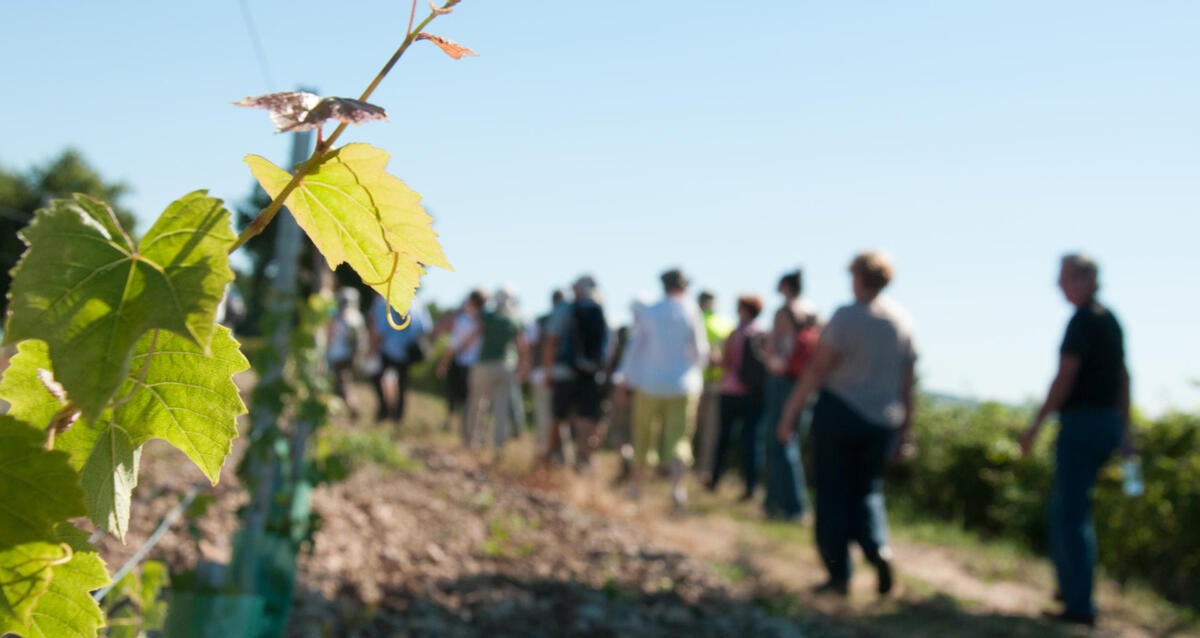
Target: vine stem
[{"x": 267, "y": 214}]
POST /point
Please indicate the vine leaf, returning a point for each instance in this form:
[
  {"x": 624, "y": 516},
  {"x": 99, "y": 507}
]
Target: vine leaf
[
  {"x": 187, "y": 397},
  {"x": 24, "y": 578},
  {"x": 90, "y": 294},
  {"x": 67, "y": 608},
  {"x": 174, "y": 391},
  {"x": 109, "y": 475},
  {"x": 28, "y": 398},
  {"x": 449, "y": 47},
  {"x": 39, "y": 490},
  {"x": 39, "y": 486},
  {"x": 357, "y": 213}
]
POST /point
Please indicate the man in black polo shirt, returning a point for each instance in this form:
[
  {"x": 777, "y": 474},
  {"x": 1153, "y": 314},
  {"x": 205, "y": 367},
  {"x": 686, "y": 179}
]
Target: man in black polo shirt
[{"x": 1091, "y": 395}]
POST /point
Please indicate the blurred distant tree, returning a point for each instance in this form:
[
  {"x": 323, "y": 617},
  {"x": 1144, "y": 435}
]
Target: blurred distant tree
[{"x": 23, "y": 193}]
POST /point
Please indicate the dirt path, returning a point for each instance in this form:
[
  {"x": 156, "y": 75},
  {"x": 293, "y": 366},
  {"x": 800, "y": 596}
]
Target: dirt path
[
  {"x": 462, "y": 546},
  {"x": 941, "y": 592}
]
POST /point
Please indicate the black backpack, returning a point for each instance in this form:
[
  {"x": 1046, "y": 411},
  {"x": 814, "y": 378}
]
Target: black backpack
[
  {"x": 589, "y": 331},
  {"x": 753, "y": 369}
]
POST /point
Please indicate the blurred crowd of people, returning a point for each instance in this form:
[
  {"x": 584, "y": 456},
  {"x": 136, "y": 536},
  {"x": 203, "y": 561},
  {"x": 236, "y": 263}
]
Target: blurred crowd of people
[{"x": 685, "y": 387}]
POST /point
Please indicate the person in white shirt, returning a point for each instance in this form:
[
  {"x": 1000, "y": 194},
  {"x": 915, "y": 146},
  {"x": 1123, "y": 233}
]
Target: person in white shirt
[
  {"x": 668, "y": 348},
  {"x": 460, "y": 357}
]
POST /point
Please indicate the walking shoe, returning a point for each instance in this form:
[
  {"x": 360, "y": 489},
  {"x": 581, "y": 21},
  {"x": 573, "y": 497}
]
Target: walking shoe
[
  {"x": 832, "y": 587},
  {"x": 1070, "y": 617},
  {"x": 883, "y": 570}
]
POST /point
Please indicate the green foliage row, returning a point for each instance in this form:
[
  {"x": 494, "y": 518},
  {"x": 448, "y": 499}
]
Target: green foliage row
[{"x": 969, "y": 470}]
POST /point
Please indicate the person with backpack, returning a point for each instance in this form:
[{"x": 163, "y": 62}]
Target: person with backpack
[
  {"x": 576, "y": 336},
  {"x": 668, "y": 348},
  {"x": 744, "y": 375},
  {"x": 787, "y": 493}
]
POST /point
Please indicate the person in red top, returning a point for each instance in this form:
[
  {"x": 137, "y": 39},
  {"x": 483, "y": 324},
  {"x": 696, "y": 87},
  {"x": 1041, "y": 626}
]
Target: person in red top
[
  {"x": 740, "y": 398},
  {"x": 787, "y": 493}
]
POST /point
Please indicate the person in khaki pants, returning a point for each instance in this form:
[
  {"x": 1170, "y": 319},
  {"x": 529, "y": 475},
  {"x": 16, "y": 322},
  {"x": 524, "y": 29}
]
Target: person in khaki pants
[
  {"x": 503, "y": 356},
  {"x": 667, "y": 349}
]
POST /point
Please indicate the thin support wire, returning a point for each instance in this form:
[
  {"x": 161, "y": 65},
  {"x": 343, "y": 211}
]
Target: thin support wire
[{"x": 167, "y": 521}]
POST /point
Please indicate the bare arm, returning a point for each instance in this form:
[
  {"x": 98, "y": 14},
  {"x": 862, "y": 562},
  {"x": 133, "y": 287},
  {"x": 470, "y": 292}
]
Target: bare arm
[
  {"x": 548, "y": 350},
  {"x": 908, "y": 395},
  {"x": 523, "y": 363},
  {"x": 456, "y": 349},
  {"x": 700, "y": 341},
  {"x": 1064, "y": 380},
  {"x": 780, "y": 327},
  {"x": 814, "y": 377}
]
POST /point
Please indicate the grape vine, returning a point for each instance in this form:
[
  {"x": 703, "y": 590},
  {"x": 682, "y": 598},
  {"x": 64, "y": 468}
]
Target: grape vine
[{"x": 117, "y": 344}]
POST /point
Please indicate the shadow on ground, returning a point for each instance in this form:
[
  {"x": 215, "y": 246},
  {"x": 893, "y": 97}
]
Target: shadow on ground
[{"x": 497, "y": 604}]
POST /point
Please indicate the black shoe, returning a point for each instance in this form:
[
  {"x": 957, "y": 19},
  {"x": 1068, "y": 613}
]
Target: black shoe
[
  {"x": 883, "y": 570},
  {"x": 832, "y": 587},
  {"x": 1071, "y": 617}
]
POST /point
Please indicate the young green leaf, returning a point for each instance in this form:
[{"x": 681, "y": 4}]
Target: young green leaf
[
  {"x": 39, "y": 487},
  {"x": 39, "y": 491},
  {"x": 109, "y": 476},
  {"x": 357, "y": 213},
  {"x": 24, "y": 578},
  {"x": 90, "y": 297},
  {"x": 28, "y": 398},
  {"x": 155, "y": 578},
  {"x": 186, "y": 397},
  {"x": 67, "y": 608},
  {"x": 174, "y": 391}
]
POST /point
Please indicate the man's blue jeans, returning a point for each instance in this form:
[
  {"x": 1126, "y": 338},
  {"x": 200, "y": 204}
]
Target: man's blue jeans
[{"x": 1086, "y": 439}]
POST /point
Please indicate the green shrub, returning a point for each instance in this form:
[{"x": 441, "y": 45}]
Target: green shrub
[{"x": 969, "y": 470}]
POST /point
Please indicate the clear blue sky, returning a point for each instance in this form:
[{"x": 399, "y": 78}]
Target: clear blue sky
[{"x": 975, "y": 141}]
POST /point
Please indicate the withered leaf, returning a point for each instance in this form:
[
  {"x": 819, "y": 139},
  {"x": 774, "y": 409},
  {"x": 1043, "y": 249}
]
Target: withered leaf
[
  {"x": 452, "y": 49},
  {"x": 302, "y": 111},
  {"x": 342, "y": 109},
  {"x": 287, "y": 109},
  {"x": 439, "y": 12}
]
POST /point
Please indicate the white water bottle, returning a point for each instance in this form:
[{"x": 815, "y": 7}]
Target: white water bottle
[{"x": 1131, "y": 475}]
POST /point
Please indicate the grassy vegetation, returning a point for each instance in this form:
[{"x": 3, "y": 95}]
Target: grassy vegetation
[{"x": 356, "y": 448}]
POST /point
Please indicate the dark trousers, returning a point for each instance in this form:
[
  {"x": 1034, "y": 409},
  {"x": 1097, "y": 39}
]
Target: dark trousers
[
  {"x": 746, "y": 411},
  {"x": 386, "y": 411},
  {"x": 1086, "y": 439},
  {"x": 787, "y": 490},
  {"x": 457, "y": 384},
  {"x": 849, "y": 457}
]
